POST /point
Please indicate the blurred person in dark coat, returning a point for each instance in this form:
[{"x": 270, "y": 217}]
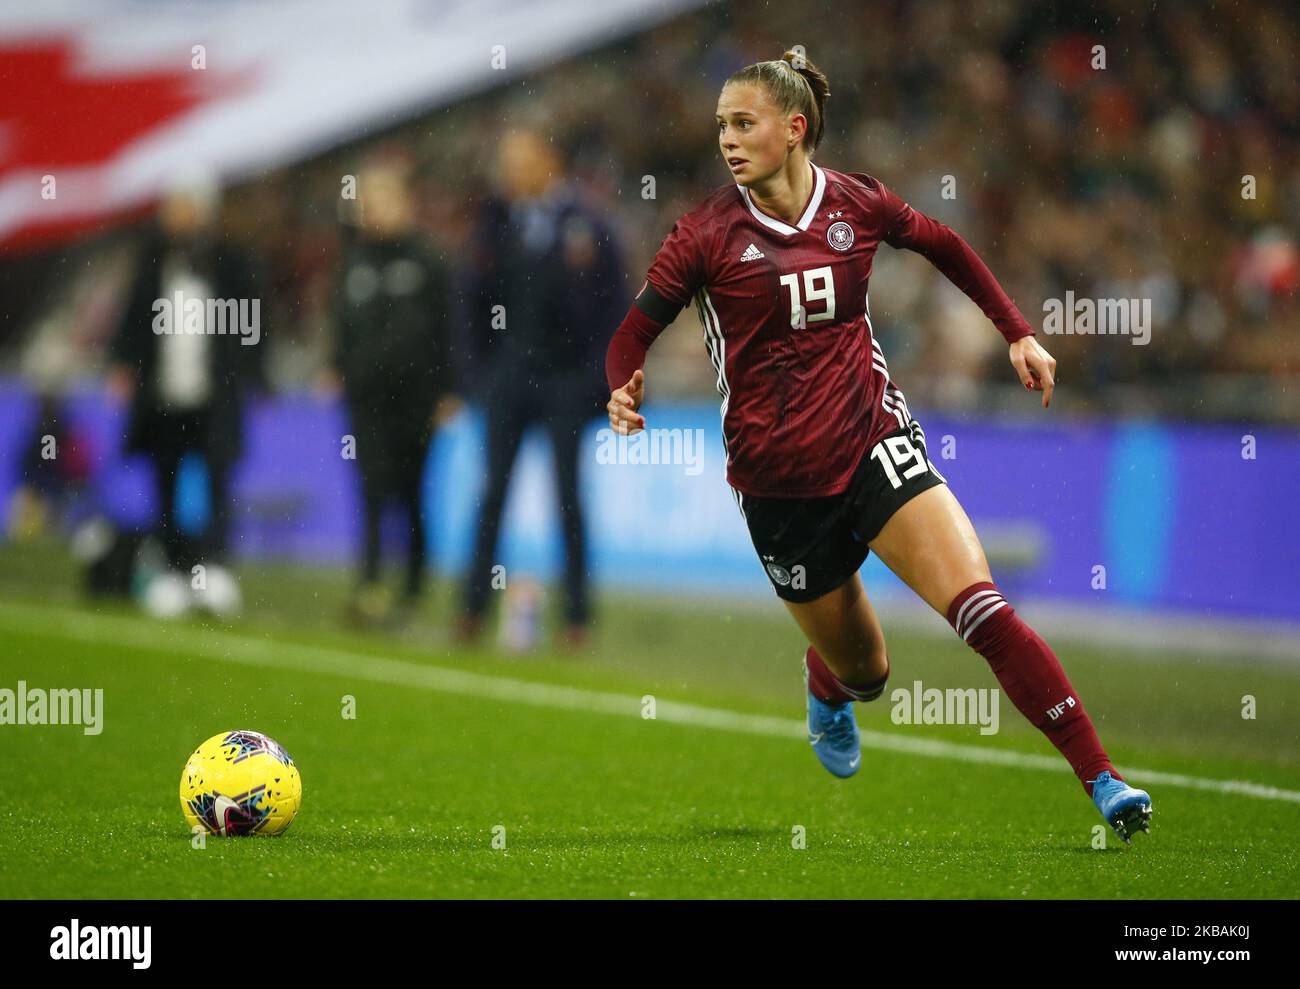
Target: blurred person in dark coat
[
  {"x": 393, "y": 360},
  {"x": 185, "y": 365},
  {"x": 544, "y": 285}
]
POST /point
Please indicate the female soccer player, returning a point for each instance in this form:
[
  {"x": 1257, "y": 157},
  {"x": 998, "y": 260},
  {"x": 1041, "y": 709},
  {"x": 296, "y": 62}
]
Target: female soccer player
[{"x": 824, "y": 459}]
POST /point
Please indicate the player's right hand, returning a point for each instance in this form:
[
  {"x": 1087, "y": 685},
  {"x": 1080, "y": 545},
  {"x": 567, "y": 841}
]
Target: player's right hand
[{"x": 623, "y": 403}]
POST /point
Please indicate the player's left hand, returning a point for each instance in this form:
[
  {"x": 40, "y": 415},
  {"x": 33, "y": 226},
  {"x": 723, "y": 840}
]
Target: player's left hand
[{"x": 1036, "y": 367}]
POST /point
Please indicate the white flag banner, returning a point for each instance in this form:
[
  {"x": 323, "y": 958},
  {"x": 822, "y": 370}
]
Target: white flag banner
[{"x": 103, "y": 104}]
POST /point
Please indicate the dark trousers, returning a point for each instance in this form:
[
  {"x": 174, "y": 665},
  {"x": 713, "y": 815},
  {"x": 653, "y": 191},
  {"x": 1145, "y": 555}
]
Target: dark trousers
[
  {"x": 505, "y": 428},
  {"x": 172, "y": 434},
  {"x": 393, "y": 434}
]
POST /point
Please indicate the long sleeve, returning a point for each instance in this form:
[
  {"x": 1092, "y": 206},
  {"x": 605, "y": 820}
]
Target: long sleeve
[
  {"x": 949, "y": 253},
  {"x": 629, "y": 345}
]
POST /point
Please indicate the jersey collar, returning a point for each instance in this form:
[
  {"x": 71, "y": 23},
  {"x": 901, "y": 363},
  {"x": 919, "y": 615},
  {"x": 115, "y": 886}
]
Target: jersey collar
[{"x": 780, "y": 226}]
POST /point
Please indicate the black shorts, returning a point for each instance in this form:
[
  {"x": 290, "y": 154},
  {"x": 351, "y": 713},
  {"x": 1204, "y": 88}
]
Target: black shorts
[{"x": 810, "y": 546}]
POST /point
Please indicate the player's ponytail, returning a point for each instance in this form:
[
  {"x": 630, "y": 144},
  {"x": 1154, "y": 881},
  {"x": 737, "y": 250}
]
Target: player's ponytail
[{"x": 794, "y": 85}]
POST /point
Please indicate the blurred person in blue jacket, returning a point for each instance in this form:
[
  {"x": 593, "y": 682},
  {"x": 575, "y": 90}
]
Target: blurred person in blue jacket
[{"x": 544, "y": 287}]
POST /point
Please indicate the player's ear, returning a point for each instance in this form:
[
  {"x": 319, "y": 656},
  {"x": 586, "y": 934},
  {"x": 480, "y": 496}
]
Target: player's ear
[{"x": 798, "y": 128}]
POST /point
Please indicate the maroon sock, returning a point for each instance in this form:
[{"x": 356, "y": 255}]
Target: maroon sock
[
  {"x": 1031, "y": 676},
  {"x": 826, "y": 686}
]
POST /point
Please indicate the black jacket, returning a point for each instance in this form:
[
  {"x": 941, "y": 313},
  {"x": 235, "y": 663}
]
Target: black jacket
[
  {"x": 236, "y": 368},
  {"x": 392, "y": 322}
]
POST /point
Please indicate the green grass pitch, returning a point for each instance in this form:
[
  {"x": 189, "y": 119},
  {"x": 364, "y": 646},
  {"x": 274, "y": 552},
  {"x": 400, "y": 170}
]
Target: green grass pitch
[{"x": 596, "y": 800}]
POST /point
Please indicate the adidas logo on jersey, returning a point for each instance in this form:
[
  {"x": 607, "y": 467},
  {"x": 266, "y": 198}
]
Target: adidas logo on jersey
[{"x": 752, "y": 253}]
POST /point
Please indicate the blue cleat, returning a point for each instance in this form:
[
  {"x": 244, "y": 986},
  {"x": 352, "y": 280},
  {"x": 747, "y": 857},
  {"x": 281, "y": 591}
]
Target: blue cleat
[
  {"x": 1125, "y": 809},
  {"x": 833, "y": 734}
]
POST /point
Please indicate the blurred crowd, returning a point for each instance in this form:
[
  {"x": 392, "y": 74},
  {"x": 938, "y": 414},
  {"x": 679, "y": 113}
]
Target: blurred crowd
[
  {"x": 1122, "y": 181},
  {"x": 1112, "y": 154},
  {"x": 1102, "y": 151}
]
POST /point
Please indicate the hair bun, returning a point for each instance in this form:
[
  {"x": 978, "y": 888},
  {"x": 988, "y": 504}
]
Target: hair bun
[{"x": 807, "y": 95}]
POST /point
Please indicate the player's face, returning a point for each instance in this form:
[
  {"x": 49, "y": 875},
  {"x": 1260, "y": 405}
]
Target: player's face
[{"x": 754, "y": 138}]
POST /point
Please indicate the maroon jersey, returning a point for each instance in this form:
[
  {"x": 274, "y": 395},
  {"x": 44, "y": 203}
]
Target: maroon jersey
[{"x": 787, "y": 324}]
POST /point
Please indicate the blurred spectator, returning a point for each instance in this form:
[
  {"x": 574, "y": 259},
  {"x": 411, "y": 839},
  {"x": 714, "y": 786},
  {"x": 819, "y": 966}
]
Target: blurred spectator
[
  {"x": 544, "y": 287},
  {"x": 56, "y": 467},
  {"x": 393, "y": 357},
  {"x": 185, "y": 364},
  {"x": 1100, "y": 149}
]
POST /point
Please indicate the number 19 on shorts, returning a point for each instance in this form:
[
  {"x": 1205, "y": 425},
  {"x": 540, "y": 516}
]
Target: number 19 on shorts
[{"x": 897, "y": 453}]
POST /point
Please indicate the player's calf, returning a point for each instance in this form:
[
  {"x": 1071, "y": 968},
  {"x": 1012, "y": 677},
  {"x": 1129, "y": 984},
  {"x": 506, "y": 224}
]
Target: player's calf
[{"x": 1036, "y": 684}]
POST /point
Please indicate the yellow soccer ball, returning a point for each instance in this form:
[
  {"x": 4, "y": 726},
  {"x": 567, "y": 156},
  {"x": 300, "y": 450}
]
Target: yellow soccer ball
[{"x": 240, "y": 783}]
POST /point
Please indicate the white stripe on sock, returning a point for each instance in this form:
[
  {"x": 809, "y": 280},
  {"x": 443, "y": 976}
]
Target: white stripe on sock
[
  {"x": 977, "y": 596},
  {"x": 970, "y": 631}
]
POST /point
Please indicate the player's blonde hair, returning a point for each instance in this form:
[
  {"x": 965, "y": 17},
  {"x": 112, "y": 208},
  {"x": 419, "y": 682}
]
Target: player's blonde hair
[{"x": 794, "y": 85}]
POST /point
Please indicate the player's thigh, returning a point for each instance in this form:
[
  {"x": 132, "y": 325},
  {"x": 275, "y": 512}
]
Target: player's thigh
[
  {"x": 932, "y": 547},
  {"x": 812, "y": 557},
  {"x": 843, "y": 628}
]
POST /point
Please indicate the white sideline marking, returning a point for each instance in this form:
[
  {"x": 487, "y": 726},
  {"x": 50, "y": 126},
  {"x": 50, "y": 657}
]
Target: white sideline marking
[{"x": 247, "y": 651}]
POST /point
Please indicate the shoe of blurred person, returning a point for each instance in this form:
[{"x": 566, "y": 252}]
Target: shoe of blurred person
[
  {"x": 370, "y": 606},
  {"x": 28, "y": 512},
  {"x": 403, "y": 613},
  {"x": 468, "y": 629},
  {"x": 575, "y": 637},
  {"x": 166, "y": 595},
  {"x": 521, "y": 619},
  {"x": 93, "y": 539},
  {"x": 219, "y": 593}
]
